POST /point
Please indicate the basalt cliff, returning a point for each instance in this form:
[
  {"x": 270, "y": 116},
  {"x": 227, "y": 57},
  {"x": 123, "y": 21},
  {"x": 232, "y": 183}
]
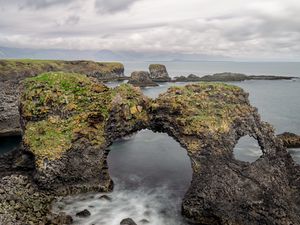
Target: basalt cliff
[
  {"x": 69, "y": 120},
  {"x": 12, "y": 72}
]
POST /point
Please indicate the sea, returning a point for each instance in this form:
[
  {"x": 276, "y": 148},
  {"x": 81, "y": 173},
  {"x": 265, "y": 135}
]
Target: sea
[{"x": 152, "y": 172}]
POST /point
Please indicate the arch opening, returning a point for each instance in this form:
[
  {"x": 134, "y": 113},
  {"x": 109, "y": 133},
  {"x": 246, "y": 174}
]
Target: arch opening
[
  {"x": 247, "y": 149},
  {"x": 151, "y": 174}
]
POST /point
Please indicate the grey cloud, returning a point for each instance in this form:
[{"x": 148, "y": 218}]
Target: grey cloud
[
  {"x": 113, "y": 6},
  {"x": 34, "y": 4}
]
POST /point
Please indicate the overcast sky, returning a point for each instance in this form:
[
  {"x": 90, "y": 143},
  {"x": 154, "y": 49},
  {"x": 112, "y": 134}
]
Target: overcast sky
[{"x": 234, "y": 28}]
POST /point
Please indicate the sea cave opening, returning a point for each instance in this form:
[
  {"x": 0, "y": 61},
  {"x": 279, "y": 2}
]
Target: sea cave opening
[{"x": 151, "y": 174}]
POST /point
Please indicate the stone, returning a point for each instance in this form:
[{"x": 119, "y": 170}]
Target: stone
[
  {"x": 105, "y": 198},
  {"x": 141, "y": 79},
  {"x": 144, "y": 221},
  {"x": 127, "y": 221},
  {"x": 158, "y": 73},
  {"x": 83, "y": 214},
  {"x": 290, "y": 140}
]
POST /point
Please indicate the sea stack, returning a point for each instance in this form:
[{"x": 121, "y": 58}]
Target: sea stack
[
  {"x": 158, "y": 73},
  {"x": 141, "y": 79}
]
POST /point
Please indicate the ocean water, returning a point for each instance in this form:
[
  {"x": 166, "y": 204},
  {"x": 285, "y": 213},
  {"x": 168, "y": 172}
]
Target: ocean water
[
  {"x": 151, "y": 171},
  {"x": 204, "y": 68}
]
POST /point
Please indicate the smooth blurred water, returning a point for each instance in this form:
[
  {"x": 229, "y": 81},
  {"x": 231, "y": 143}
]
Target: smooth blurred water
[{"x": 151, "y": 172}]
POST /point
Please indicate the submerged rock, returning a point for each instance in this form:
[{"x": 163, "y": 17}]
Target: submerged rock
[
  {"x": 141, "y": 79},
  {"x": 83, "y": 214},
  {"x": 105, "y": 198},
  {"x": 290, "y": 140},
  {"x": 127, "y": 221},
  {"x": 158, "y": 73}
]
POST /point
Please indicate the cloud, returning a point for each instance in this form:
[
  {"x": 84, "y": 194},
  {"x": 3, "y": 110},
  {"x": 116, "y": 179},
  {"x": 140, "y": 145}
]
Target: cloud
[
  {"x": 113, "y": 6},
  {"x": 235, "y": 28}
]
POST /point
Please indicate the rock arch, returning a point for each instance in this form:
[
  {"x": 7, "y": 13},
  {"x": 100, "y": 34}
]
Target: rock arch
[{"x": 207, "y": 119}]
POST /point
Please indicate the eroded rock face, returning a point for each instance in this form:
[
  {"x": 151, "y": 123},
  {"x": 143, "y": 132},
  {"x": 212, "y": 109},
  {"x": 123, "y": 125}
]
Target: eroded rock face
[
  {"x": 69, "y": 121},
  {"x": 141, "y": 79},
  {"x": 208, "y": 120},
  {"x": 290, "y": 140},
  {"x": 158, "y": 73}
]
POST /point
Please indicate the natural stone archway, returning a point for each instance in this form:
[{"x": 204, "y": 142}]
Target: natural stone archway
[{"x": 69, "y": 120}]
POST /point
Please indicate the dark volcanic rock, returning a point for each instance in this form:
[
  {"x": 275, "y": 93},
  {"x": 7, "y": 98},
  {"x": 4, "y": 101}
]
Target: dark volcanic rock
[
  {"x": 83, "y": 214},
  {"x": 69, "y": 141},
  {"x": 290, "y": 140},
  {"x": 127, "y": 221},
  {"x": 9, "y": 113},
  {"x": 141, "y": 79},
  {"x": 158, "y": 73}
]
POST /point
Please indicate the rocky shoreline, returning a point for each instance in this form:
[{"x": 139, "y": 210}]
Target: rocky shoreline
[{"x": 69, "y": 120}]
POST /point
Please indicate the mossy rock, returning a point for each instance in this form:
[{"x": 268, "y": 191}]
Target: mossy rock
[{"x": 59, "y": 108}]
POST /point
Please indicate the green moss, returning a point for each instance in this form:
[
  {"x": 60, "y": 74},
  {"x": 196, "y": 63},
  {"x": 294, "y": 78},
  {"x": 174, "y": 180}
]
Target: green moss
[
  {"x": 204, "y": 107},
  {"x": 61, "y": 107}
]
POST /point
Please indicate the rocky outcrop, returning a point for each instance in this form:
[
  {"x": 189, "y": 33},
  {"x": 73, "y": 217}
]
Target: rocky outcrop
[
  {"x": 290, "y": 140},
  {"x": 16, "y": 70},
  {"x": 12, "y": 72},
  {"x": 70, "y": 120},
  {"x": 189, "y": 78},
  {"x": 229, "y": 77},
  {"x": 158, "y": 73},
  {"x": 141, "y": 79}
]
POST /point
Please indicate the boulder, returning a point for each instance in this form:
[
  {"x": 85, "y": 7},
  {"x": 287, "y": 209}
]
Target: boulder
[
  {"x": 290, "y": 140},
  {"x": 83, "y": 214},
  {"x": 127, "y": 221},
  {"x": 141, "y": 79},
  {"x": 158, "y": 73}
]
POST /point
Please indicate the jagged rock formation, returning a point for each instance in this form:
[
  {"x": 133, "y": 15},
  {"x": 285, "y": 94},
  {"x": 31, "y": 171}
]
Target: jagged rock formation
[
  {"x": 70, "y": 120},
  {"x": 290, "y": 140},
  {"x": 14, "y": 71},
  {"x": 158, "y": 73},
  {"x": 141, "y": 79}
]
